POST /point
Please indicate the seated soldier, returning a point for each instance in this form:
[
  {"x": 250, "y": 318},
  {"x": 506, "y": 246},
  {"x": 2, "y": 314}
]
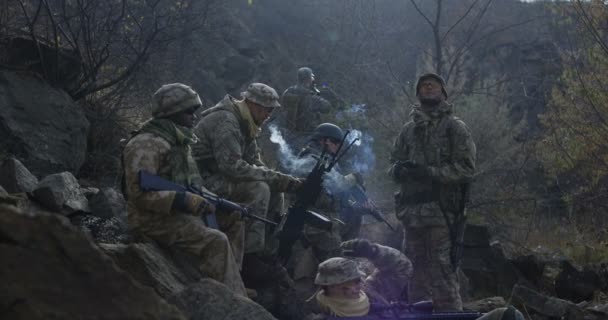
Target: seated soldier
[
  {"x": 345, "y": 292},
  {"x": 229, "y": 160},
  {"x": 173, "y": 219}
]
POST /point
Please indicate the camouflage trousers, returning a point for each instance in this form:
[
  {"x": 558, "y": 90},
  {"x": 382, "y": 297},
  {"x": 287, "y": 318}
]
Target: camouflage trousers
[
  {"x": 211, "y": 247},
  {"x": 428, "y": 247},
  {"x": 257, "y": 196}
]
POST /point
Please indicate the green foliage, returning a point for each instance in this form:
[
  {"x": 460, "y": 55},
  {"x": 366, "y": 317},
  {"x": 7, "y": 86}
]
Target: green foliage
[{"x": 576, "y": 121}]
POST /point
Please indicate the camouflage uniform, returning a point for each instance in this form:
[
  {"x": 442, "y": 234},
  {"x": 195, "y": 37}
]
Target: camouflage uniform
[
  {"x": 229, "y": 160},
  {"x": 326, "y": 244},
  {"x": 444, "y": 145},
  {"x": 163, "y": 148},
  {"x": 303, "y": 106}
]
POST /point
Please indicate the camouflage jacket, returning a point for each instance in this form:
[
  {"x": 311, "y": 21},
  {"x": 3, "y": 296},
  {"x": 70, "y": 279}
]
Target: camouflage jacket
[
  {"x": 442, "y": 142},
  {"x": 150, "y": 152},
  {"x": 303, "y": 109},
  {"x": 226, "y": 146}
]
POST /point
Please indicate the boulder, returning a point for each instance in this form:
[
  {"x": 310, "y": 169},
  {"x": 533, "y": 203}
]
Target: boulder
[
  {"x": 545, "y": 305},
  {"x": 576, "y": 285},
  {"x": 175, "y": 278},
  {"x": 489, "y": 272},
  {"x": 40, "y": 125},
  {"x": 51, "y": 270},
  {"x": 15, "y": 177},
  {"x": 109, "y": 203},
  {"x": 485, "y": 305},
  {"x": 60, "y": 192},
  {"x": 209, "y": 299}
]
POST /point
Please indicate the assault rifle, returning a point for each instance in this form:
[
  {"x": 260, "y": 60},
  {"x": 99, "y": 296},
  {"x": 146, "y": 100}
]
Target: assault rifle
[
  {"x": 298, "y": 214},
  {"x": 422, "y": 310},
  {"x": 356, "y": 201},
  {"x": 151, "y": 182}
]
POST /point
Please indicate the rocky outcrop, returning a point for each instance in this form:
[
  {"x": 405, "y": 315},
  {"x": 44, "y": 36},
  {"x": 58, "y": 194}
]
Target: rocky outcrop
[
  {"x": 15, "y": 177},
  {"x": 51, "y": 270},
  {"x": 40, "y": 125},
  {"x": 60, "y": 192}
]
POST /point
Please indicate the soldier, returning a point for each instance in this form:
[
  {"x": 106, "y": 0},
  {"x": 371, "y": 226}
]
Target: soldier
[
  {"x": 337, "y": 185},
  {"x": 345, "y": 291},
  {"x": 303, "y": 107},
  {"x": 433, "y": 160},
  {"x": 229, "y": 159},
  {"x": 173, "y": 219}
]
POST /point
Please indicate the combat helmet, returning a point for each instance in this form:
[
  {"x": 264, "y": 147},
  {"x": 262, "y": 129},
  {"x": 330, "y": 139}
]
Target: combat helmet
[
  {"x": 432, "y": 76},
  {"x": 337, "y": 270},
  {"x": 305, "y": 73},
  {"x": 262, "y": 94},
  {"x": 328, "y": 130},
  {"x": 173, "y": 98}
]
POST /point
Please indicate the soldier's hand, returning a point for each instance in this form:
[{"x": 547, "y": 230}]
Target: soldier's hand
[
  {"x": 287, "y": 183},
  {"x": 360, "y": 248},
  {"x": 416, "y": 170},
  {"x": 295, "y": 184}
]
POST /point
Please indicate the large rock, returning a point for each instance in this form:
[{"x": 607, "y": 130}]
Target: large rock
[
  {"x": 489, "y": 272},
  {"x": 109, "y": 203},
  {"x": 51, "y": 270},
  {"x": 61, "y": 192},
  {"x": 15, "y": 177},
  {"x": 174, "y": 277},
  {"x": 209, "y": 299},
  {"x": 545, "y": 305},
  {"x": 40, "y": 125}
]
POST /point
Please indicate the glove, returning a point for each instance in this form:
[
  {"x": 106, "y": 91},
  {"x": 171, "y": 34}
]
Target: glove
[
  {"x": 192, "y": 203},
  {"x": 416, "y": 170},
  {"x": 287, "y": 183},
  {"x": 359, "y": 248}
]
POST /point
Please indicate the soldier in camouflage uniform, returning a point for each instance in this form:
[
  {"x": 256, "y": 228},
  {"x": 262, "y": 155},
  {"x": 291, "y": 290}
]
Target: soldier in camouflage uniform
[
  {"x": 346, "y": 292},
  {"x": 433, "y": 160},
  {"x": 303, "y": 107},
  {"x": 173, "y": 219},
  {"x": 326, "y": 244},
  {"x": 229, "y": 159},
  {"x": 344, "y": 289}
]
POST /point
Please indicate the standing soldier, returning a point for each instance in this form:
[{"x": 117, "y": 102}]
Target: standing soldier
[
  {"x": 162, "y": 147},
  {"x": 433, "y": 160},
  {"x": 229, "y": 159},
  {"x": 303, "y": 107}
]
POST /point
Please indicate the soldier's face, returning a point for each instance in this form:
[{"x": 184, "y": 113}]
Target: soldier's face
[
  {"x": 347, "y": 290},
  {"x": 331, "y": 145},
  {"x": 430, "y": 89},
  {"x": 186, "y": 118},
  {"x": 259, "y": 113}
]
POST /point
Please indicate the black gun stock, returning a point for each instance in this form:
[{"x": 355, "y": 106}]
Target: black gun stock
[{"x": 151, "y": 182}]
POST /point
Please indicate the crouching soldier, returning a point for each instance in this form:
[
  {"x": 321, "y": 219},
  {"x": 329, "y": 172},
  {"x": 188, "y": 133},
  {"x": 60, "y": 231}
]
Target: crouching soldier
[
  {"x": 173, "y": 219},
  {"x": 346, "y": 292}
]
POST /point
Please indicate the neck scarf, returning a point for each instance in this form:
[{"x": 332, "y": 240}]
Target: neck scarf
[
  {"x": 179, "y": 158},
  {"x": 342, "y": 307},
  {"x": 253, "y": 128}
]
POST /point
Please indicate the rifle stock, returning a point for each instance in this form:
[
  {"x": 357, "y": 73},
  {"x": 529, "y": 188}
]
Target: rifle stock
[{"x": 151, "y": 182}]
